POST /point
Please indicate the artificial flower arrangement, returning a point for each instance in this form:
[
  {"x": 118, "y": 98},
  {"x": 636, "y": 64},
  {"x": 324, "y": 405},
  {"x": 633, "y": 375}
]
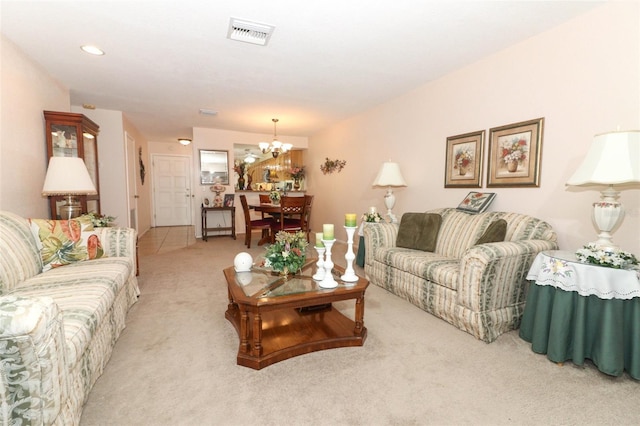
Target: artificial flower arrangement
[
  {"x": 288, "y": 253},
  {"x": 274, "y": 196},
  {"x": 239, "y": 168},
  {"x": 331, "y": 166},
  {"x": 372, "y": 217},
  {"x": 609, "y": 257},
  {"x": 297, "y": 172},
  {"x": 514, "y": 150},
  {"x": 100, "y": 220}
]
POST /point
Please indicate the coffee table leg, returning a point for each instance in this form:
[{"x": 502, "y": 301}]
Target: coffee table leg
[
  {"x": 359, "y": 315},
  {"x": 257, "y": 335},
  {"x": 244, "y": 332}
]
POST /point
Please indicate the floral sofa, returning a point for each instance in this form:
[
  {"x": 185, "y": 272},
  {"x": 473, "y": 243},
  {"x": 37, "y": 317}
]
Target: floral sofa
[
  {"x": 61, "y": 317},
  {"x": 479, "y": 288}
]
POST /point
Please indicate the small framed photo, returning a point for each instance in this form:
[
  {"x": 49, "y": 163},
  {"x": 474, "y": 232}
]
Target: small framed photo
[
  {"x": 515, "y": 151},
  {"x": 229, "y": 200},
  {"x": 205, "y": 202},
  {"x": 476, "y": 202},
  {"x": 464, "y": 160}
]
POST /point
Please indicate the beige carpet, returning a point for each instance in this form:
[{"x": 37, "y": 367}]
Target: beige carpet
[{"x": 175, "y": 364}]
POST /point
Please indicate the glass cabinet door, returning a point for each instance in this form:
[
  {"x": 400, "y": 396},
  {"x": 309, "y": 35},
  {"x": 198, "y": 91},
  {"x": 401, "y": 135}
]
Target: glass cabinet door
[{"x": 73, "y": 135}]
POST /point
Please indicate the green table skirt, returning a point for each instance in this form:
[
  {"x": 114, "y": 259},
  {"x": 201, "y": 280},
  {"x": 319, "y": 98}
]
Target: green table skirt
[{"x": 567, "y": 326}]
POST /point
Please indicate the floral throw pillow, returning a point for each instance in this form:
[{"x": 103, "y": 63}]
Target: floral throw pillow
[{"x": 62, "y": 242}]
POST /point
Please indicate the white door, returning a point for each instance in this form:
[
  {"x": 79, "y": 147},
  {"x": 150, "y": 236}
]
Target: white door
[
  {"x": 172, "y": 190},
  {"x": 132, "y": 194}
]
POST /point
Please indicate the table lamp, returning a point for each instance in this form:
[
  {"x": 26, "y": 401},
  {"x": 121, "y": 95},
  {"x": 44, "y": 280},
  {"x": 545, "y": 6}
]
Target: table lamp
[
  {"x": 389, "y": 176},
  {"x": 68, "y": 176},
  {"x": 612, "y": 159}
]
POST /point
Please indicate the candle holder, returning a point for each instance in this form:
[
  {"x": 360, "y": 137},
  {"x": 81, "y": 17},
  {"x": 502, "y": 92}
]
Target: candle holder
[
  {"x": 327, "y": 280},
  {"x": 349, "y": 273},
  {"x": 319, "y": 275}
]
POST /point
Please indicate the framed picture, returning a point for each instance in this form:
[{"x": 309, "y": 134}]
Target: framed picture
[
  {"x": 229, "y": 200},
  {"x": 476, "y": 202},
  {"x": 514, "y": 154},
  {"x": 464, "y": 161}
]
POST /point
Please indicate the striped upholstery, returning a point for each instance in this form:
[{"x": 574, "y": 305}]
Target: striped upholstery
[
  {"x": 479, "y": 289},
  {"x": 58, "y": 328}
]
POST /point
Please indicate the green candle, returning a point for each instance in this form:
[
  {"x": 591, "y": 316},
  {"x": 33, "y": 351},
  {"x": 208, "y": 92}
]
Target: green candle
[
  {"x": 319, "y": 239},
  {"x": 327, "y": 232},
  {"x": 350, "y": 220}
]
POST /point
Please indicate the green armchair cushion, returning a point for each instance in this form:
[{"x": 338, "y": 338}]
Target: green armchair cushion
[
  {"x": 419, "y": 231},
  {"x": 495, "y": 233}
]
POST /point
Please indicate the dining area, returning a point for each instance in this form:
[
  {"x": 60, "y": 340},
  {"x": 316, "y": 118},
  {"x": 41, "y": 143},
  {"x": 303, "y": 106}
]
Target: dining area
[{"x": 267, "y": 216}]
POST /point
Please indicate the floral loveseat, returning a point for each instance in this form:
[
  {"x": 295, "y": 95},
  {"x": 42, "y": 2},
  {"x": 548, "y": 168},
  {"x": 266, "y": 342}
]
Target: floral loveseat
[
  {"x": 58, "y": 326},
  {"x": 479, "y": 288}
]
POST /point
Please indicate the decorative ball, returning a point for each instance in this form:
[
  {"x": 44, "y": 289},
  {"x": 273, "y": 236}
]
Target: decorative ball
[{"x": 243, "y": 262}]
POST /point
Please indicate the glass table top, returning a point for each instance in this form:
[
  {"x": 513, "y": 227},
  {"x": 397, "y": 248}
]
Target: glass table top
[{"x": 263, "y": 282}]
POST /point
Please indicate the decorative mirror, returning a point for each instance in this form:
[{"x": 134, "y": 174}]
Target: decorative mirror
[{"x": 214, "y": 164}]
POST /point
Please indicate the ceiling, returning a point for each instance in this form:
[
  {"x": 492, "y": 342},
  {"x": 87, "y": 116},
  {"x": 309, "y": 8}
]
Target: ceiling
[{"x": 325, "y": 61}]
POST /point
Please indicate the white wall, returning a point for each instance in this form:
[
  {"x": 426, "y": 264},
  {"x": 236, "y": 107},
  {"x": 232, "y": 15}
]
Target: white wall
[
  {"x": 27, "y": 90},
  {"x": 111, "y": 162},
  {"x": 582, "y": 76}
]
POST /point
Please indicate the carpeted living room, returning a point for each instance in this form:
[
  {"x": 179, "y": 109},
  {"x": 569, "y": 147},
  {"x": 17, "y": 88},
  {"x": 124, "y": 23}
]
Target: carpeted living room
[{"x": 175, "y": 177}]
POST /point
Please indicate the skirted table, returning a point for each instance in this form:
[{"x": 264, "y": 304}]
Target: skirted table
[{"x": 577, "y": 311}]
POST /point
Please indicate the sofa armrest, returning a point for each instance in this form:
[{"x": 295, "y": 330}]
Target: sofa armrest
[
  {"x": 33, "y": 378},
  {"x": 378, "y": 235},
  {"x": 493, "y": 276},
  {"x": 120, "y": 242}
]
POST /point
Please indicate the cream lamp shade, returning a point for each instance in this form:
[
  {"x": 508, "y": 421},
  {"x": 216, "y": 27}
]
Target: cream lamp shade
[
  {"x": 612, "y": 159},
  {"x": 389, "y": 176},
  {"x": 68, "y": 176}
]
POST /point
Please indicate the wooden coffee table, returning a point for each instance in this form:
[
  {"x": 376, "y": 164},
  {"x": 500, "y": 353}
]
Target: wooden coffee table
[{"x": 277, "y": 319}]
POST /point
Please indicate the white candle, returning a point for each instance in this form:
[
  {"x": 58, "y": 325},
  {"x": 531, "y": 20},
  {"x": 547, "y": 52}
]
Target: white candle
[{"x": 327, "y": 231}]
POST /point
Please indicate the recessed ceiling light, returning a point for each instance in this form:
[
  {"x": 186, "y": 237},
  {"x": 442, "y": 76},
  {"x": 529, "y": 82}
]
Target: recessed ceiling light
[{"x": 93, "y": 50}]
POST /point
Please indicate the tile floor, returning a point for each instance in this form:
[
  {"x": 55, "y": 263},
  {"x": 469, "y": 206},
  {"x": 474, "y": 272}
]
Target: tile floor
[{"x": 165, "y": 238}]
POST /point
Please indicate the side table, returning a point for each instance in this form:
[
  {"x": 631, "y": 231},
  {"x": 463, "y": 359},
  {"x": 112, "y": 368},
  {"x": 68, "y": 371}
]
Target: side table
[
  {"x": 577, "y": 311},
  {"x": 205, "y": 230}
]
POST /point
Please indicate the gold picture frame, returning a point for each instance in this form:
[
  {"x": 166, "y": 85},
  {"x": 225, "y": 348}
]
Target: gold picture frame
[
  {"x": 464, "y": 160},
  {"x": 515, "y": 151}
]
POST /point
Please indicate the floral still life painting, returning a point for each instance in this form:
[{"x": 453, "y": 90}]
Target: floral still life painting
[
  {"x": 476, "y": 202},
  {"x": 464, "y": 160}
]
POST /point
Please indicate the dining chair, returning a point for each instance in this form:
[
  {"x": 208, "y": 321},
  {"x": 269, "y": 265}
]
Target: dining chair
[
  {"x": 308, "y": 199},
  {"x": 292, "y": 211},
  {"x": 250, "y": 225},
  {"x": 264, "y": 199}
]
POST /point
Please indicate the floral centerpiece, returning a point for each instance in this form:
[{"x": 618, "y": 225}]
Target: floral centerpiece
[
  {"x": 609, "y": 257},
  {"x": 274, "y": 196},
  {"x": 288, "y": 253},
  {"x": 297, "y": 172},
  {"x": 514, "y": 152},
  {"x": 372, "y": 217},
  {"x": 100, "y": 220}
]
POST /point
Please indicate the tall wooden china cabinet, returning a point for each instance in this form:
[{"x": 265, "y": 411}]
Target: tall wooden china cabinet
[{"x": 73, "y": 135}]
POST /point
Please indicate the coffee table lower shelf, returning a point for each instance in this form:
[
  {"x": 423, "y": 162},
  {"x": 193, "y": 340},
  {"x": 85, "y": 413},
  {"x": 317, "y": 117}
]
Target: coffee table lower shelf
[{"x": 282, "y": 334}]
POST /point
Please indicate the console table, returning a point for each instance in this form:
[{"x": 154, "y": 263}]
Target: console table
[
  {"x": 205, "y": 231},
  {"x": 577, "y": 311}
]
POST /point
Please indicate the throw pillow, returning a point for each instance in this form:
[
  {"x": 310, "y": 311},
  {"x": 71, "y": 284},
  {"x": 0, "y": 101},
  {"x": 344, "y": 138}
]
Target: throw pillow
[
  {"x": 495, "y": 233},
  {"x": 65, "y": 241},
  {"x": 419, "y": 231}
]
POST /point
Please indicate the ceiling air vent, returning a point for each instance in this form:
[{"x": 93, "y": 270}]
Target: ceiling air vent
[{"x": 249, "y": 32}]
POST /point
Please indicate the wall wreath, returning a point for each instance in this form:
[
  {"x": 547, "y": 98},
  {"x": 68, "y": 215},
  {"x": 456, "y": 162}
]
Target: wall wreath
[{"x": 331, "y": 166}]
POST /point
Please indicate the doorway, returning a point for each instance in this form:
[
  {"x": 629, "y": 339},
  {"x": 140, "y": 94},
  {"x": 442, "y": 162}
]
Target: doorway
[
  {"x": 132, "y": 192},
  {"x": 171, "y": 190}
]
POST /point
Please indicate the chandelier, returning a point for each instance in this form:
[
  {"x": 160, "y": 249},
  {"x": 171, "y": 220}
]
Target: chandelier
[{"x": 276, "y": 147}]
